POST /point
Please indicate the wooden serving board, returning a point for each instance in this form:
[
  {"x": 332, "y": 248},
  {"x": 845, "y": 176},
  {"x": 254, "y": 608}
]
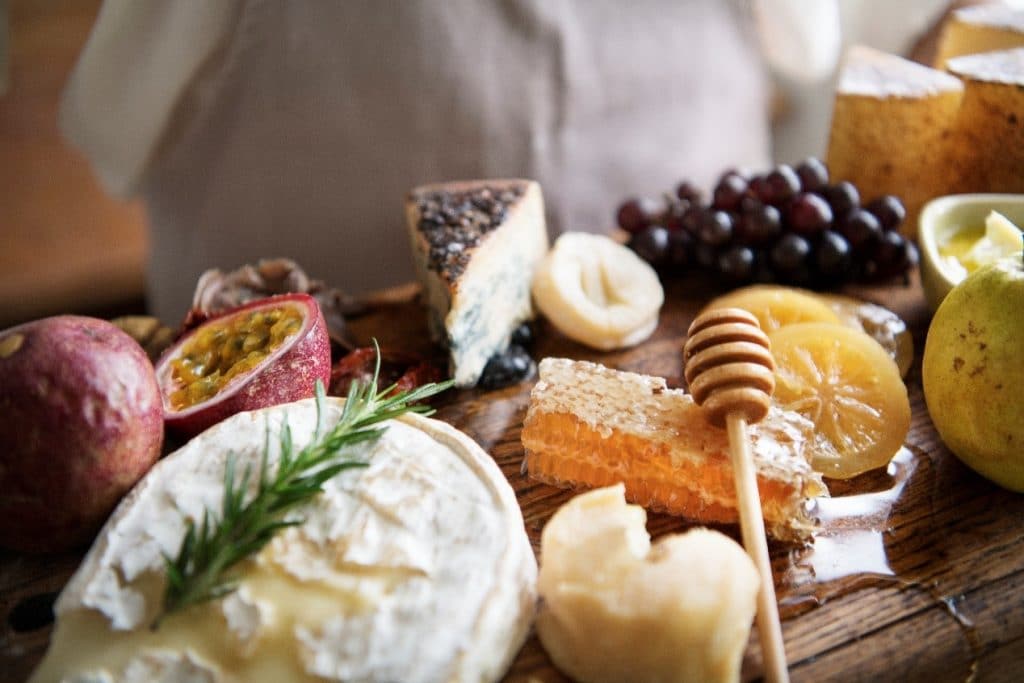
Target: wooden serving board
[{"x": 920, "y": 576}]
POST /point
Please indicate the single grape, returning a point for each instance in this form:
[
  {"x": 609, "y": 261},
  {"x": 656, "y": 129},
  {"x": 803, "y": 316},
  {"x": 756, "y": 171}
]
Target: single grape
[
  {"x": 842, "y": 197},
  {"x": 651, "y": 244},
  {"x": 715, "y": 228},
  {"x": 688, "y": 191},
  {"x": 737, "y": 170},
  {"x": 790, "y": 253},
  {"x": 833, "y": 257},
  {"x": 705, "y": 255},
  {"x": 779, "y": 186},
  {"x": 692, "y": 217},
  {"x": 680, "y": 249},
  {"x": 861, "y": 229},
  {"x": 523, "y": 336},
  {"x": 889, "y": 211},
  {"x": 758, "y": 188},
  {"x": 673, "y": 217},
  {"x": 808, "y": 214},
  {"x": 890, "y": 254},
  {"x": 813, "y": 174},
  {"x": 637, "y": 213},
  {"x": 749, "y": 203},
  {"x": 758, "y": 224},
  {"x": 507, "y": 368},
  {"x": 913, "y": 256},
  {"x": 729, "y": 191},
  {"x": 737, "y": 263}
]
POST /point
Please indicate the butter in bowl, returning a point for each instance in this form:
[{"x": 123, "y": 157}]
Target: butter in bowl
[{"x": 959, "y": 233}]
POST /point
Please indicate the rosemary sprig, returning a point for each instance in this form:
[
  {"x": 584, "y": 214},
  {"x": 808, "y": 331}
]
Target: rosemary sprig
[{"x": 201, "y": 571}]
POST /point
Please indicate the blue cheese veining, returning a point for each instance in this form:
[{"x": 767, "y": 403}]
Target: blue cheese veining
[{"x": 476, "y": 245}]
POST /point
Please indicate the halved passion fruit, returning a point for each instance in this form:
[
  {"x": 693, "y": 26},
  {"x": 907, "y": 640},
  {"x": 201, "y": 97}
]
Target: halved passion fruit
[{"x": 264, "y": 353}]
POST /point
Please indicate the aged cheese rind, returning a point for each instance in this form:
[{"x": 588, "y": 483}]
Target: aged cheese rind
[
  {"x": 416, "y": 568},
  {"x": 872, "y": 73},
  {"x": 980, "y": 28},
  {"x": 892, "y": 123},
  {"x": 474, "y": 308},
  {"x": 1005, "y": 66}
]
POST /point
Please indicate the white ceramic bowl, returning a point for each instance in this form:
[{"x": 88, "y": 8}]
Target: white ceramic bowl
[{"x": 943, "y": 217}]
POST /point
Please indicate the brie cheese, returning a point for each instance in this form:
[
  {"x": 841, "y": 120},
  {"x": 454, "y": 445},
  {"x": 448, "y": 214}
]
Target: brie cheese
[
  {"x": 476, "y": 246},
  {"x": 415, "y": 568}
]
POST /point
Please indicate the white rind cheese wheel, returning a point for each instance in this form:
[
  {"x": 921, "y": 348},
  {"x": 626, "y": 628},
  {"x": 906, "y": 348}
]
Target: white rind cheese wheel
[{"x": 415, "y": 568}]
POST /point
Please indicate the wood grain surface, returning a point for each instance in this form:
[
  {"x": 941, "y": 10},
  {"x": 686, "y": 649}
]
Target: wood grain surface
[{"x": 924, "y": 583}]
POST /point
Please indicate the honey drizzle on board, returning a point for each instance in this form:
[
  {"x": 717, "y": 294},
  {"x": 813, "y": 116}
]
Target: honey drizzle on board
[
  {"x": 850, "y": 540},
  {"x": 848, "y": 551},
  {"x": 881, "y": 506}
]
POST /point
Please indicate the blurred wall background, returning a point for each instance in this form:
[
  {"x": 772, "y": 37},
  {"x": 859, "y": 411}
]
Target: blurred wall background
[{"x": 65, "y": 246}]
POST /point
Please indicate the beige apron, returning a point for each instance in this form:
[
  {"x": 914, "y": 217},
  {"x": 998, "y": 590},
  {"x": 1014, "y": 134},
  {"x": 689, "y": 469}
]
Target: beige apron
[{"x": 256, "y": 128}]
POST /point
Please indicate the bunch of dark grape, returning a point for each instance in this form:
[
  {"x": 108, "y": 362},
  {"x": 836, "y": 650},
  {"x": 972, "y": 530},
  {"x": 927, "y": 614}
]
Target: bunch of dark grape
[{"x": 787, "y": 226}]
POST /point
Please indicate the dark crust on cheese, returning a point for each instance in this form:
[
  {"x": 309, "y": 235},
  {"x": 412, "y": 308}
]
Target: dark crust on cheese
[{"x": 454, "y": 221}]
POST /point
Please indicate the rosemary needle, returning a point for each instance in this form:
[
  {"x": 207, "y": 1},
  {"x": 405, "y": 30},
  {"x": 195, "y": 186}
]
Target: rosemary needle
[{"x": 209, "y": 550}]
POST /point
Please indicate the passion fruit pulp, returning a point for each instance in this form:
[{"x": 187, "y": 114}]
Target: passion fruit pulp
[{"x": 261, "y": 354}]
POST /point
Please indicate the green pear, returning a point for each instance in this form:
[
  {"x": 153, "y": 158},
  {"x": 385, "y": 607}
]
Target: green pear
[{"x": 973, "y": 372}]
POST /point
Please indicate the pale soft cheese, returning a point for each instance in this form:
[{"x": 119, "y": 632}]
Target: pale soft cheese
[
  {"x": 415, "y": 568},
  {"x": 616, "y": 607},
  {"x": 474, "y": 312}
]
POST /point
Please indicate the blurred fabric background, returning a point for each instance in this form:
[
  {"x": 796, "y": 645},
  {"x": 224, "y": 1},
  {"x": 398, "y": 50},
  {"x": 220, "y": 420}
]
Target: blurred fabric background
[{"x": 68, "y": 247}]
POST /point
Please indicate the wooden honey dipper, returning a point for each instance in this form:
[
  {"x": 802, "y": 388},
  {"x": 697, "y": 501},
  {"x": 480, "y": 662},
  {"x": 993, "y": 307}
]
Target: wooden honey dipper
[{"x": 730, "y": 371}]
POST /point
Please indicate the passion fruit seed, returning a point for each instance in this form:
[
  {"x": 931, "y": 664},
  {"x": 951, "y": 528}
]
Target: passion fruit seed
[
  {"x": 267, "y": 352},
  {"x": 224, "y": 351}
]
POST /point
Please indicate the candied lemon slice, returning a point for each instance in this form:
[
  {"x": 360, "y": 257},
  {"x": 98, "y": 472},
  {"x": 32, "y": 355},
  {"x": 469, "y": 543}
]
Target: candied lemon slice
[
  {"x": 884, "y": 326},
  {"x": 848, "y": 385},
  {"x": 777, "y": 306}
]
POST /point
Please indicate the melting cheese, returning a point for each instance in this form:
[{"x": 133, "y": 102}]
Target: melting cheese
[{"x": 416, "y": 568}]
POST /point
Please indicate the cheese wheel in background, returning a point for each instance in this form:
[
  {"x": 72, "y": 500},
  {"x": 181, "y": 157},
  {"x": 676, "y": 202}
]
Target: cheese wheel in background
[{"x": 891, "y": 124}]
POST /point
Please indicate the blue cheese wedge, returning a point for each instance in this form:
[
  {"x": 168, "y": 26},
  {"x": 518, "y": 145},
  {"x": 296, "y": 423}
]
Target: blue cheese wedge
[
  {"x": 476, "y": 245},
  {"x": 416, "y": 568}
]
